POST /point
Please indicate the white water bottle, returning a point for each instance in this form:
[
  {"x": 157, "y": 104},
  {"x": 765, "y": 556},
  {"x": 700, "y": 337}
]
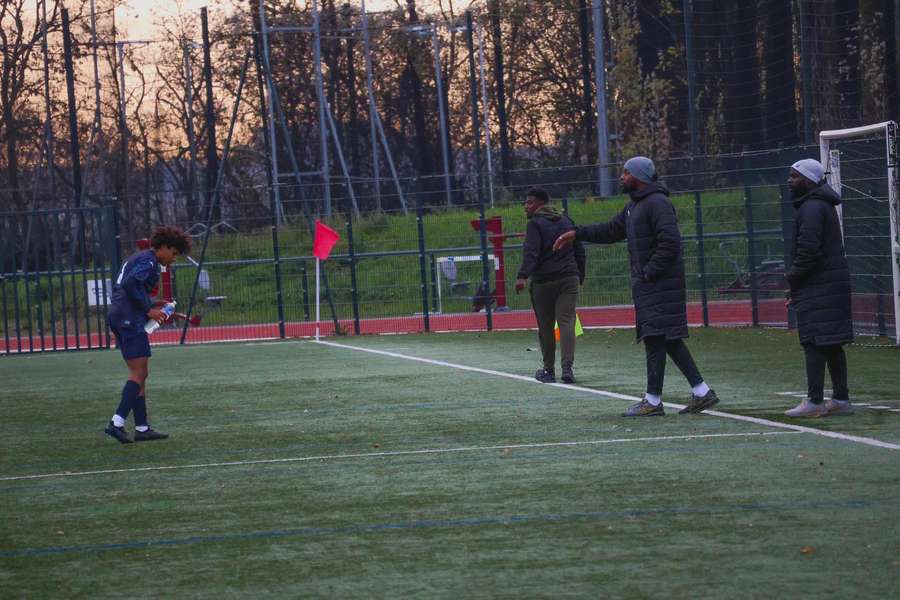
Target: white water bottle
[{"x": 152, "y": 325}]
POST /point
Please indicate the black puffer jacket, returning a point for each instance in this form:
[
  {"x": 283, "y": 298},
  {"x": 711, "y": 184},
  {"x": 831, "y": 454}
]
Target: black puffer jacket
[
  {"x": 539, "y": 261},
  {"x": 819, "y": 276},
  {"x": 649, "y": 224}
]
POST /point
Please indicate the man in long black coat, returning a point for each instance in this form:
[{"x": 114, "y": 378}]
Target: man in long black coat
[
  {"x": 649, "y": 225},
  {"x": 819, "y": 280}
]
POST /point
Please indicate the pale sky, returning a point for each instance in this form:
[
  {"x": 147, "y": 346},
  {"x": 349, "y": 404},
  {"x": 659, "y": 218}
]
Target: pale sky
[{"x": 138, "y": 17}]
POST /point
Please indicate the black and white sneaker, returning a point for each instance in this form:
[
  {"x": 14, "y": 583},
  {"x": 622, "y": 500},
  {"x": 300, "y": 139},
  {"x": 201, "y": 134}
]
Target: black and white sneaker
[
  {"x": 117, "y": 433},
  {"x": 149, "y": 435}
]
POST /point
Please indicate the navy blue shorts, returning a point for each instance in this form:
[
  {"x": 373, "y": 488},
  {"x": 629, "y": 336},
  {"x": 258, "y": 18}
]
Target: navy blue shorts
[{"x": 133, "y": 342}]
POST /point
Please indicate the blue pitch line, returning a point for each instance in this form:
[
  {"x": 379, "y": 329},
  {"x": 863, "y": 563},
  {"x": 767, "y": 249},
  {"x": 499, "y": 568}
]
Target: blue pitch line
[{"x": 435, "y": 524}]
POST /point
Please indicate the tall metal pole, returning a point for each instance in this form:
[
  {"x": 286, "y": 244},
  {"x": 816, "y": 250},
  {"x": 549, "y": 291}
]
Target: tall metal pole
[
  {"x": 191, "y": 134},
  {"x": 805, "y": 75},
  {"x": 473, "y": 96},
  {"x": 123, "y": 135},
  {"x": 445, "y": 151},
  {"x": 273, "y": 148},
  {"x": 487, "y": 117},
  {"x": 48, "y": 122},
  {"x": 372, "y": 113},
  {"x": 583, "y": 16},
  {"x": 271, "y": 190},
  {"x": 688, "y": 9},
  {"x": 212, "y": 156},
  {"x": 505, "y": 161},
  {"x": 96, "y": 124},
  {"x": 320, "y": 99},
  {"x": 600, "y": 77},
  {"x": 476, "y": 141}
]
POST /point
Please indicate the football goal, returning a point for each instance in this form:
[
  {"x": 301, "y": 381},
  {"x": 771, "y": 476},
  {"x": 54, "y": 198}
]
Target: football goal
[{"x": 861, "y": 164}]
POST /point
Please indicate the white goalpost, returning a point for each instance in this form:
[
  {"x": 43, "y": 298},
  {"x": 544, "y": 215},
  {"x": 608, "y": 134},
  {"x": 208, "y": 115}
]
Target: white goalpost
[{"x": 861, "y": 164}]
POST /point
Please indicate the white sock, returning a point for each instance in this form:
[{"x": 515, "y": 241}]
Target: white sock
[
  {"x": 118, "y": 421},
  {"x": 141, "y": 428},
  {"x": 654, "y": 400},
  {"x": 701, "y": 389}
]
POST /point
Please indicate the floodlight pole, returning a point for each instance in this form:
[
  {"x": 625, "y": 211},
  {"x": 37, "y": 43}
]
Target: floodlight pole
[
  {"x": 189, "y": 117},
  {"x": 48, "y": 123},
  {"x": 600, "y": 82},
  {"x": 436, "y": 48},
  {"x": 320, "y": 99},
  {"x": 372, "y": 114},
  {"x": 486, "y": 107},
  {"x": 273, "y": 149}
]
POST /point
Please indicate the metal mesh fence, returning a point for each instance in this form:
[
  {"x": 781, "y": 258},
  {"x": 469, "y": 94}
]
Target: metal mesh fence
[{"x": 432, "y": 268}]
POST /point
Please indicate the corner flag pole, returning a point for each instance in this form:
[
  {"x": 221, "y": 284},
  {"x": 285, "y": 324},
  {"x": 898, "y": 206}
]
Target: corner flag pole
[{"x": 317, "y": 298}]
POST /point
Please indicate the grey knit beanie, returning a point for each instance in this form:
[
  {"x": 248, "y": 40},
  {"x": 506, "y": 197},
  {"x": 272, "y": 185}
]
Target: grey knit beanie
[
  {"x": 641, "y": 168},
  {"x": 809, "y": 168}
]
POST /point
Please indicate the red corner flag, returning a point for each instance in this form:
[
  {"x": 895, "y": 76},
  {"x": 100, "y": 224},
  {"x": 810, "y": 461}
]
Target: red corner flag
[{"x": 325, "y": 239}]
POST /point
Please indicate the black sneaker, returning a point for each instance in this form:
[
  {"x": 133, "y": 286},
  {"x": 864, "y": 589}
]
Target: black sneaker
[
  {"x": 117, "y": 433},
  {"x": 545, "y": 376},
  {"x": 645, "y": 409},
  {"x": 149, "y": 435},
  {"x": 568, "y": 376},
  {"x": 699, "y": 403}
]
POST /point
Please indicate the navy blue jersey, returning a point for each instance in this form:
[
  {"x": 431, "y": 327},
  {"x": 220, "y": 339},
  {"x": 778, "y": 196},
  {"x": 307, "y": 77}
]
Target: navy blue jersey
[{"x": 131, "y": 290}]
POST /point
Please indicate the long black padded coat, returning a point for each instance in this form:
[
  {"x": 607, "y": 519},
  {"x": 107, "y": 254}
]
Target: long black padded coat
[
  {"x": 649, "y": 224},
  {"x": 819, "y": 276}
]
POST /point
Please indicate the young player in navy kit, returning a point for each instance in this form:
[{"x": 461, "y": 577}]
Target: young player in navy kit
[{"x": 131, "y": 309}]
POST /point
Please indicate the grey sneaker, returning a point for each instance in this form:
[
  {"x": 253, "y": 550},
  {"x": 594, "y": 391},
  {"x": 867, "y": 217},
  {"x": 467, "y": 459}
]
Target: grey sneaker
[
  {"x": 806, "y": 408},
  {"x": 644, "y": 409},
  {"x": 838, "y": 407},
  {"x": 700, "y": 403}
]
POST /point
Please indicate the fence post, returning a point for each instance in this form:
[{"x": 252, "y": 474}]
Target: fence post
[
  {"x": 701, "y": 255},
  {"x": 354, "y": 288},
  {"x": 3, "y": 287},
  {"x": 304, "y": 282},
  {"x": 434, "y": 276},
  {"x": 565, "y": 204},
  {"x": 751, "y": 240},
  {"x": 423, "y": 269}
]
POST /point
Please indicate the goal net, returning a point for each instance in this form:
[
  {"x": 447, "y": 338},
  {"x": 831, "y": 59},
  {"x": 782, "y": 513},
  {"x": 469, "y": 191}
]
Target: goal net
[{"x": 861, "y": 165}]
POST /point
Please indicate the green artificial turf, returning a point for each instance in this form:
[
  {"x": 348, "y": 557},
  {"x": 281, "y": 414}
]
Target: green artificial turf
[{"x": 382, "y": 476}]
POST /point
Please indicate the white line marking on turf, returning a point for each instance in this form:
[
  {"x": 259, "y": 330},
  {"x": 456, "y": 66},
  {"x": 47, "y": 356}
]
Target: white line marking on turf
[
  {"x": 765, "y": 422},
  {"x": 266, "y": 461}
]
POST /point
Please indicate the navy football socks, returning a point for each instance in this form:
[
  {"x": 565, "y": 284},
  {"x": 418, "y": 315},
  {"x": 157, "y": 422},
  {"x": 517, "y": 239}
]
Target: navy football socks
[
  {"x": 140, "y": 412},
  {"x": 129, "y": 400}
]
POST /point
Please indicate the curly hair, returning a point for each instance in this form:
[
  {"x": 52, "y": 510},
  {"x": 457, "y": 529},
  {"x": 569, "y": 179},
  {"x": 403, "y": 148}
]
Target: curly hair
[{"x": 173, "y": 237}]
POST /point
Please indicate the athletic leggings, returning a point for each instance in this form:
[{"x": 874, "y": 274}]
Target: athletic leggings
[
  {"x": 657, "y": 347},
  {"x": 817, "y": 357}
]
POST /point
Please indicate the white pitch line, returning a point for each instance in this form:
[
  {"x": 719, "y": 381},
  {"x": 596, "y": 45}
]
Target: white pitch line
[
  {"x": 267, "y": 461},
  {"x": 756, "y": 420}
]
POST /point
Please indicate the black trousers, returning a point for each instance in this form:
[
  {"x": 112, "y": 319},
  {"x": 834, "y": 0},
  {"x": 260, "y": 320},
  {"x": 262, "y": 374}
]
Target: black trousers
[
  {"x": 817, "y": 357},
  {"x": 657, "y": 348}
]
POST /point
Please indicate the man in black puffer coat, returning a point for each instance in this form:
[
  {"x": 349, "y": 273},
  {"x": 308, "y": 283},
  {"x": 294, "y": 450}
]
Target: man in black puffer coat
[
  {"x": 555, "y": 280},
  {"x": 649, "y": 225},
  {"x": 819, "y": 280}
]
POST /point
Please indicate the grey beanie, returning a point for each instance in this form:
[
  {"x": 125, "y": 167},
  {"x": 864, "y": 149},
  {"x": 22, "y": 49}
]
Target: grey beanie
[
  {"x": 809, "y": 168},
  {"x": 641, "y": 168}
]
